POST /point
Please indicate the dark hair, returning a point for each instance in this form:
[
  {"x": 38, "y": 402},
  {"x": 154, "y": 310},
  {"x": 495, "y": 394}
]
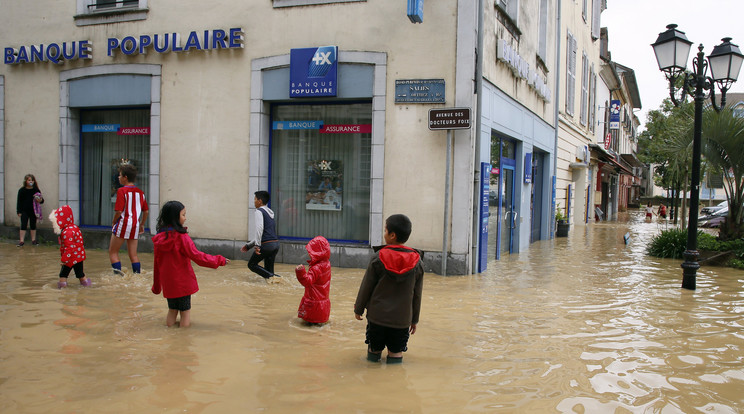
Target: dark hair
[
  {"x": 36, "y": 183},
  {"x": 399, "y": 224},
  {"x": 170, "y": 217},
  {"x": 129, "y": 171},
  {"x": 263, "y": 196}
]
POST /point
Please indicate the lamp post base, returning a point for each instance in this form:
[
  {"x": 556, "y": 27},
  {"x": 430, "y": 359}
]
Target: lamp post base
[{"x": 689, "y": 269}]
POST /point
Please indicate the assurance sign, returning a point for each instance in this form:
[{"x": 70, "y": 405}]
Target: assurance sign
[{"x": 449, "y": 118}]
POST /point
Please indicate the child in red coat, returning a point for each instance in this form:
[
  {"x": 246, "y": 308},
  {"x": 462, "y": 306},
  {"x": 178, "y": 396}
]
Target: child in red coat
[
  {"x": 70, "y": 246},
  {"x": 173, "y": 274},
  {"x": 315, "y": 306}
]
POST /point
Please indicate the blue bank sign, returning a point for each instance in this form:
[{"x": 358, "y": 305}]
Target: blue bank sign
[
  {"x": 59, "y": 52},
  {"x": 313, "y": 72}
]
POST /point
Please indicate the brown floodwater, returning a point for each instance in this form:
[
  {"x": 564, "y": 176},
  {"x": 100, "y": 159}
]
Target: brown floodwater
[{"x": 583, "y": 324}]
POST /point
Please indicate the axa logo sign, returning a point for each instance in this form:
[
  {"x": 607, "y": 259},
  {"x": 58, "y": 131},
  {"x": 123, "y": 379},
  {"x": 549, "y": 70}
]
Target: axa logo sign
[{"x": 313, "y": 72}]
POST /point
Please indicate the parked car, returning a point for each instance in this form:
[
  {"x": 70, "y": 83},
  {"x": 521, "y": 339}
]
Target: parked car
[
  {"x": 706, "y": 211},
  {"x": 715, "y": 219}
]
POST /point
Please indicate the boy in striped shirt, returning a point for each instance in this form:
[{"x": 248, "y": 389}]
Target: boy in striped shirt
[{"x": 130, "y": 205}]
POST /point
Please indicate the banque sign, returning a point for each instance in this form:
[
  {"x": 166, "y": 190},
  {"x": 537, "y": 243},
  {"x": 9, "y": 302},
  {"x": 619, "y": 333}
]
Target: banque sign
[{"x": 59, "y": 53}]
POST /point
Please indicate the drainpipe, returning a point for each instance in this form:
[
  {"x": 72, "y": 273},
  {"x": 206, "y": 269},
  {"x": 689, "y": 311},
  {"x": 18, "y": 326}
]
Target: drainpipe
[
  {"x": 477, "y": 163},
  {"x": 556, "y": 109}
]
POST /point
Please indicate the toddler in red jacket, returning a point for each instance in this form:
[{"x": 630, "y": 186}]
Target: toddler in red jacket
[
  {"x": 71, "y": 247},
  {"x": 172, "y": 273},
  {"x": 315, "y": 306}
]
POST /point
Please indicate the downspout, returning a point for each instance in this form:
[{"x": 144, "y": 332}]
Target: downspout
[
  {"x": 476, "y": 164},
  {"x": 556, "y": 110}
]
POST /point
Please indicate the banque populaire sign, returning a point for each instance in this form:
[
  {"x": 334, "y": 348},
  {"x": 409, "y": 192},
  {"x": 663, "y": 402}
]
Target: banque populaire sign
[{"x": 60, "y": 52}]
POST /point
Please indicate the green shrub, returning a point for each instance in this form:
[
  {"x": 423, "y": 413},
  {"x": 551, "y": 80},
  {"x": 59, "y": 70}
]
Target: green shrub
[{"x": 672, "y": 243}]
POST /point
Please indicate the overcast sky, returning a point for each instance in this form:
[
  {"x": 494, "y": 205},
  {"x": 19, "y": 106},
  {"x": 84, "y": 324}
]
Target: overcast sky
[{"x": 634, "y": 24}]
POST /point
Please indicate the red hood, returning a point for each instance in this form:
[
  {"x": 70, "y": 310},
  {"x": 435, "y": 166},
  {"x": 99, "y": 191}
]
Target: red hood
[
  {"x": 399, "y": 259},
  {"x": 63, "y": 217},
  {"x": 319, "y": 250}
]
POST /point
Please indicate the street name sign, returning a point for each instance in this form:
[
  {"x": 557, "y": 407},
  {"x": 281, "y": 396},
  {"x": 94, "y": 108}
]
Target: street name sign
[{"x": 449, "y": 118}]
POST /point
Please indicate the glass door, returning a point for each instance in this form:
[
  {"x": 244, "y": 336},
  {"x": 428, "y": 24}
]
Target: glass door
[{"x": 508, "y": 213}]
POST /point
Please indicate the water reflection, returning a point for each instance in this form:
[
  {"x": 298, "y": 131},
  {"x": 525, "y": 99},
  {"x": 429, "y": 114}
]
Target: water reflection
[{"x": 577, "y": 324}]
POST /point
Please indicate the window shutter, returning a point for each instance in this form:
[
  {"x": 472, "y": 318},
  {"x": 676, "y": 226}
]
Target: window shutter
[
  {"x": 584, "y": 89},
  {"x": 570, "y": 74},
  {"x": 596, "y": 13}
]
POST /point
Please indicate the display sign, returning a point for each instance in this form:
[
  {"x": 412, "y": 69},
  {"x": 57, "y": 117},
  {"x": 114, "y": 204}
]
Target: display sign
[
  {"x": 483, "y": 217},
  {"x": 449, "y": 118},
  {"x": 346, "y": 129},
  {"x": 100, "y": 127},
  {"x": 415, "y": 11},
  {"x": 281, "y": 125},
  {"x": 614, "y": 114},
  {"x": 528, "y": 168},
  {"x": 60, "y": 52},
  {"x": 313, "y": 72},
  {"x": 419, "y": 91},
  {"x": 324, "y": 189},
  {"x": 133, "y": 131}
]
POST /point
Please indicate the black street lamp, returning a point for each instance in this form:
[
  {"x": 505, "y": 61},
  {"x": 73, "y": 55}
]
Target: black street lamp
[{"x": 672, "y": 50}]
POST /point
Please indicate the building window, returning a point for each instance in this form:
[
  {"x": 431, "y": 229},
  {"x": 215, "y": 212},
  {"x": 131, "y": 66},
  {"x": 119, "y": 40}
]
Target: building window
[
  {"x": 292, "y": 3},
  {"x": 570, "y": 73},
  {"x": 102, "y": 154},
  {"x": 592, "y": 99},
  {"x": 542, "y": 35},
  {"x": 90, "y": 12},
  {"x": 320, "y": 176},
  {"x": 597, "y": 8},
  {"x": 583, "y": 111}
]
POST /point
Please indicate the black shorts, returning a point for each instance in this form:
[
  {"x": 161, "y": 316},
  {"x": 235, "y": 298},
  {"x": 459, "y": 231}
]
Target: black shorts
[
  {"x": 379, "y": 337},
  {"x": 180, "y": 304},
  {"x": 28, "y": 219}
]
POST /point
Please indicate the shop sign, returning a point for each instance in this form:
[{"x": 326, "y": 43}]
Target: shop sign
[
  {"x": 521, "y": 69},
  {"x": 297, "y": 125},
  {"x": 449, "y": 118},
  {"x": 419, "y": 91},
  {"x": 100, "y": 127},
  {"x": 313, "y": 72},
  {"x": 614, "y": 114},
  {"x": 133, "y": 131},
  {"x": 528, "y": 168},
  {"x": 59, "y": 53},
  {"x": 346, "y": 129},
  {"x": 415, "y": 11}
]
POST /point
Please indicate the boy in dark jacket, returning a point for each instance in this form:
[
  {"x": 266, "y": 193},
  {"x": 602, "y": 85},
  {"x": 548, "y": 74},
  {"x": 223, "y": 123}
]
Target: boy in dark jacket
[{"x": 391, "y": 293}]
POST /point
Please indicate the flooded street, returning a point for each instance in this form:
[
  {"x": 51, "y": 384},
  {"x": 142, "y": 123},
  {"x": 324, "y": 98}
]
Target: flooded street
[{"x": 583, "y": 324}]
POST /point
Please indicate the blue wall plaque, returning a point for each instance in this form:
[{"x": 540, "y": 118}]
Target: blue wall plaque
[
  {"x": 313, "y": 72},
  {"x": 419, "y": 91}
]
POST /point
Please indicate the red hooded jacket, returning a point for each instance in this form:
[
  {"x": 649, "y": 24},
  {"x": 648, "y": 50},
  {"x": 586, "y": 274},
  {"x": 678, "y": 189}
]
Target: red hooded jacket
[
  {"x": 172, "y": 272},
  {"x": 315, "y": 306},
  {"x": 70, "y": 238}
]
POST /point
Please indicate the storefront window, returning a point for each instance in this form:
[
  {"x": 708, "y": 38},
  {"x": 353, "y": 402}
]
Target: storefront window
[
  {"x": 320, "y": 170},
  {"x": 109, "y": 138}
]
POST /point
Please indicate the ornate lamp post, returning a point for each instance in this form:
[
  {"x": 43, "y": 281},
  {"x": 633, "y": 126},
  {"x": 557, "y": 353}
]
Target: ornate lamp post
[{"x": 672, "y": 50}]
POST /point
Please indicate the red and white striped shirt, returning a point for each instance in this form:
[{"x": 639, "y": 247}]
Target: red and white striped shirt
[{"x": 130, "y": 200}]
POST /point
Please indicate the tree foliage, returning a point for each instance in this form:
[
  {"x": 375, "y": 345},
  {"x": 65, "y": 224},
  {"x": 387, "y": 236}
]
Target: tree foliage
[{"x": 723, "y": 137}]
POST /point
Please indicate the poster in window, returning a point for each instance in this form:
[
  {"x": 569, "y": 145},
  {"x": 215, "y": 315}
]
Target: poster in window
[{"x": 324, "y": 185}]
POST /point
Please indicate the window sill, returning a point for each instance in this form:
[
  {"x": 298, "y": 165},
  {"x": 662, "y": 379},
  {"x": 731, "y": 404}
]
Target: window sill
[
  {"x": 111, "y": 16},
  {"x": 292, "y": 3}
]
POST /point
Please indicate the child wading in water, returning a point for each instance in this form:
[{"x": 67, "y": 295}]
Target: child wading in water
[
  {"x": 70, "y": 246},
  {"x": 173, "y": 274},
  {"x": 315, "y": 306},
  {"x": 391, "y": 293}
]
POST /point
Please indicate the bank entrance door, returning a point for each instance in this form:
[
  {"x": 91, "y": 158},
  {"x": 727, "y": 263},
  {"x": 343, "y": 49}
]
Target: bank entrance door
[{"x": 509, "y": 215}]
